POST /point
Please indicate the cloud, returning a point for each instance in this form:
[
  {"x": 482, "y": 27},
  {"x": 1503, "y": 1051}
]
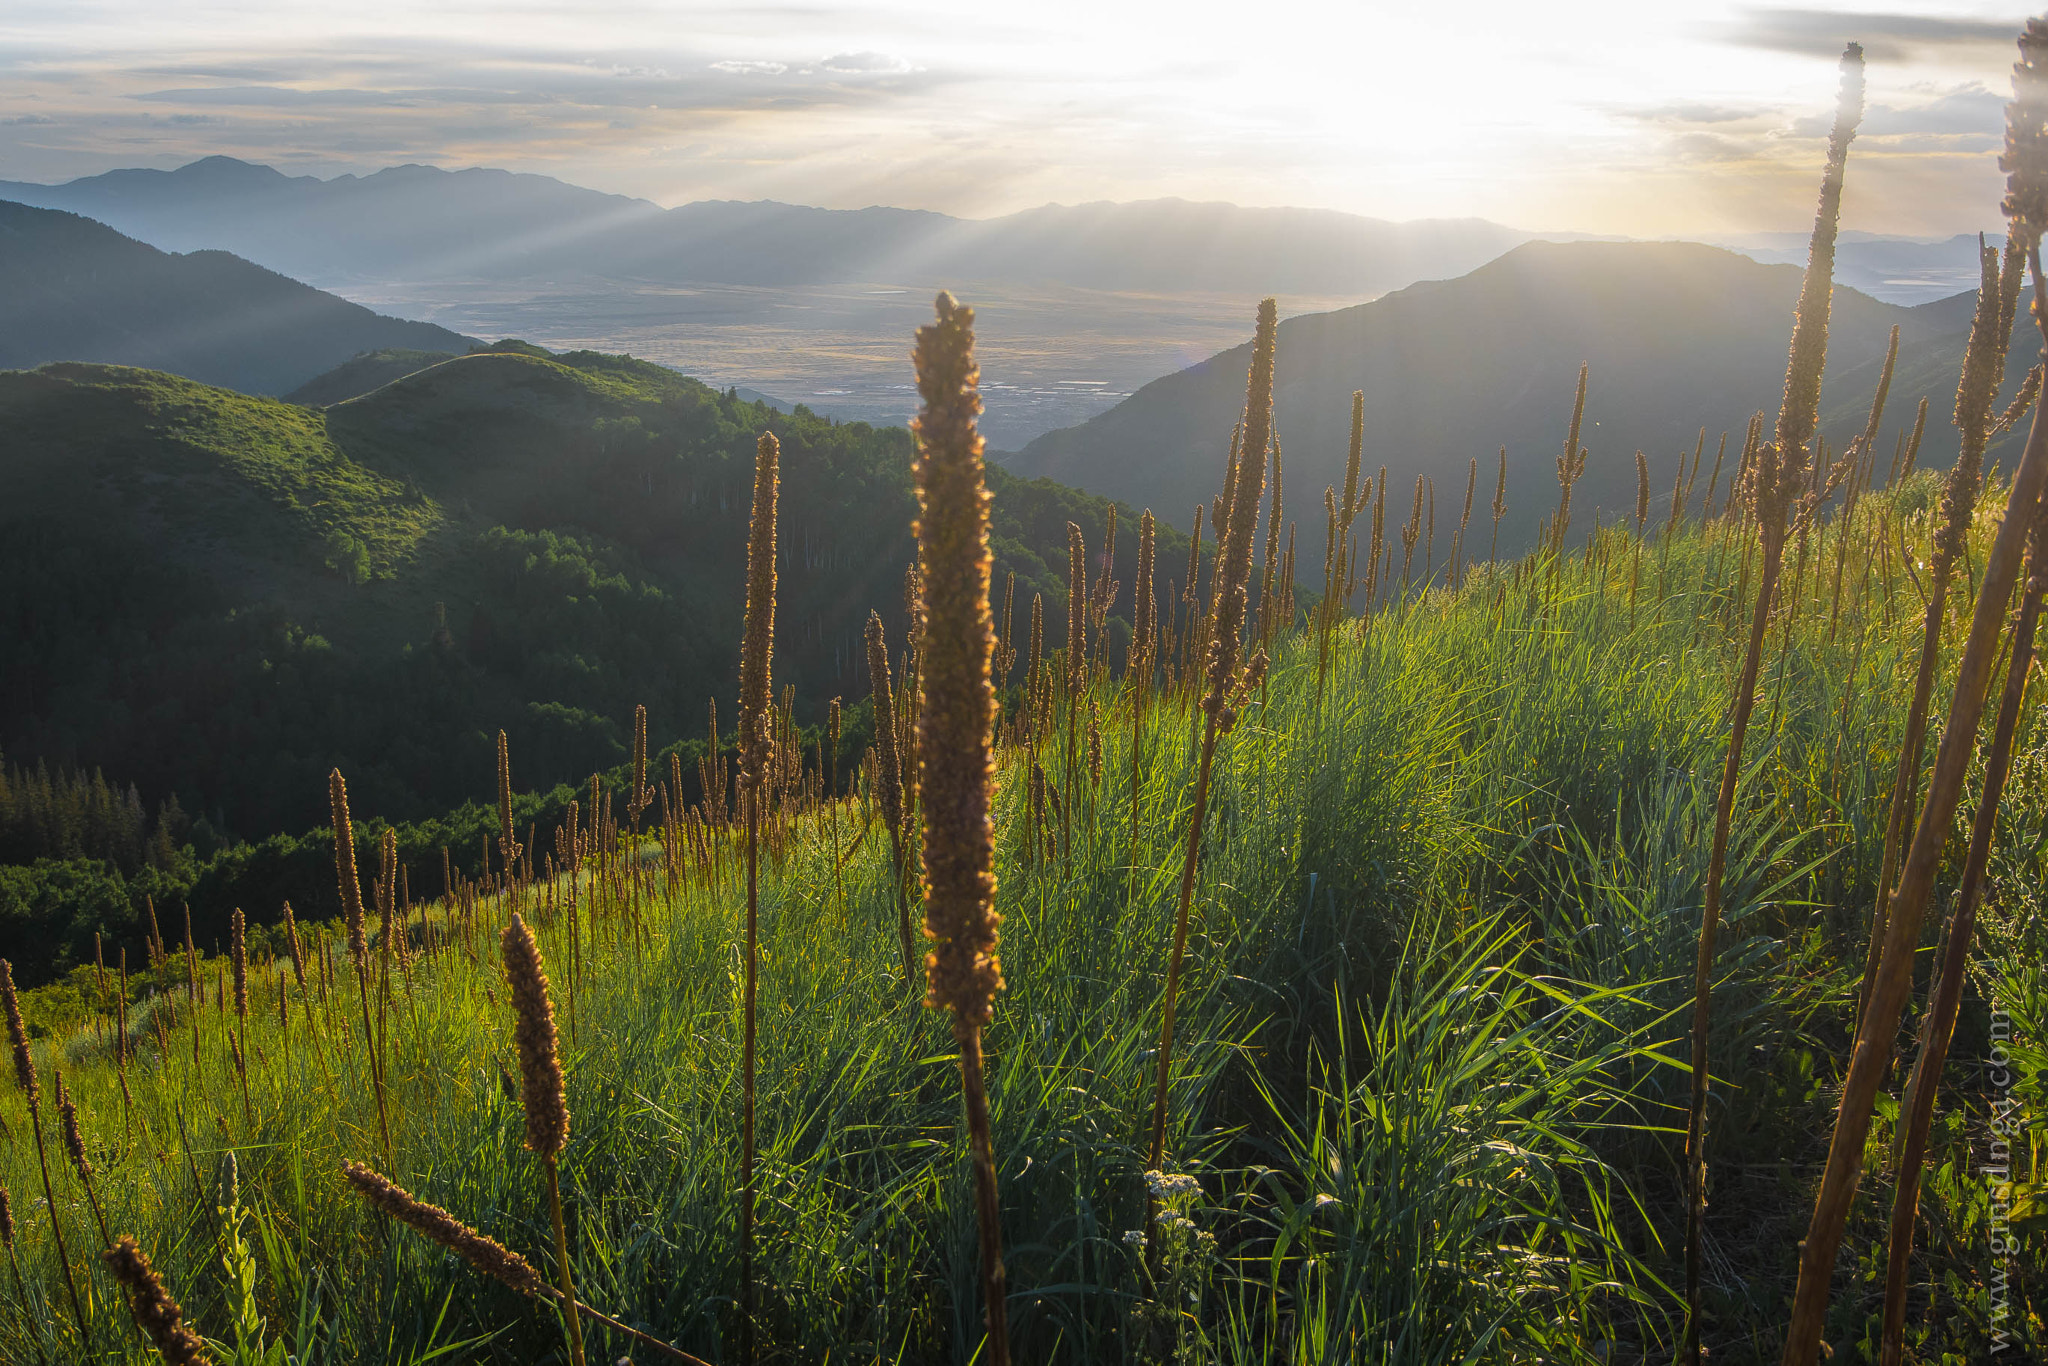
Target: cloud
[
  {"x": 27, "y": 121},
  {"x": 1696, "y": 113},
  {"x": 1885, "y": 37},
  {"x": 270, "y": 96},
  {"x": 1970, "y": 112},
  {"x": 1710, "y": 147},
  {"x": 863, "y": 63}
]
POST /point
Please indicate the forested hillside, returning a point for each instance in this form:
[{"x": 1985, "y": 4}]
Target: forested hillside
[{"x": 218, "y": 598}]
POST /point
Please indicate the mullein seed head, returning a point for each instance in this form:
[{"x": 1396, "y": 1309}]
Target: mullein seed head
[
  {"x": 640, "y": 798},
  {"x": 540, "y": 1067},
  {"x": 487, "y": 1255},
  {"x": 1141, "y": 635},
  {"x": 1077, "y": 607},
  {"x": 888, "y": 762},
  {"x": 1799, "y": 414},
  {"x": 1094, "y": 742},
  {"x": 1348, "y": 508},
  {"x": 1234, "y": 555},
  {"x": 345, "y": 875},
  {"x": 1642, "y": 491},
  {"x": 291, "y": 940},
  {"x": 2025, "y": 160},
  {"x": 958, "y": 780},
  {"x": 238, "y": 959},
  {"x": 757, "y": 647},
  {"x": 1036, "y": 656},
  {"x": 156, "y": 1313},
  {"x": 508, "y": 838},
  {"x": 17, "y": 1037},
  {"x": 6, "y": 1219},
  {"x": 67, "y": 1123}
]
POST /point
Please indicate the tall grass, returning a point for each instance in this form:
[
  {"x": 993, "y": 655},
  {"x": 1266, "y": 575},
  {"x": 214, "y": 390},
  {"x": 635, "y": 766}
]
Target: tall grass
[{"x": 1435, "y": 972}]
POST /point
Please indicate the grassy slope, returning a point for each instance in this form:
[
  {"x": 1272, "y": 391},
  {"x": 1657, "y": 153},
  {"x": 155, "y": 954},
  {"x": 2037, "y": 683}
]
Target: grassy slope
[
  {"x": 359, "y": 375},
  {"x": 1494, "y": 807}
]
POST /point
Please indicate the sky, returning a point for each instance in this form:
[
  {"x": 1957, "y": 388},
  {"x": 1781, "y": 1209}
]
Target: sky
[{"x": 1634, "y": 117}]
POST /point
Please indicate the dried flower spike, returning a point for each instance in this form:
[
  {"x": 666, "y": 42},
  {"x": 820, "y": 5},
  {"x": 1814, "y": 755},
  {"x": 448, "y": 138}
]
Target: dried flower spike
[
  {"x": 959, "y": 708},
  {"x": 487, "y": 1255},
  {"x": 540, "y": 1068},
  {"x": 156, "y": 1313},
  {"x": 17, "y": 1037}
]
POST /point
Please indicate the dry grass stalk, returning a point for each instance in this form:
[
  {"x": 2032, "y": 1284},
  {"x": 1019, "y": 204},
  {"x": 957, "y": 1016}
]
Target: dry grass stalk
[
  {"x": 757, "y": 753},
  {"x": 1570, "y": 465},
  {"x": 31, "y": 1090},
  {"x": 2026, "y": 161},
  {"x": 14, "y": 1260},
  {"x": 541, "y": 1089},
  {"x": 1778, "y": 473},
  {"x": 1227, "y": 686},
  {"x": 484, "y": 1253},
  {"x": 1946, "y": 992},
  {"x": 1975, "y": 417},
  {"x": 149, "y": 1300},
  {"x": 888, "y": 784},
  {"x": 963, "y": 972},
  {"x": 74, "y": 1148},
  {"x": 508, "y": 837},
  {"x": 351, "y": 888}
]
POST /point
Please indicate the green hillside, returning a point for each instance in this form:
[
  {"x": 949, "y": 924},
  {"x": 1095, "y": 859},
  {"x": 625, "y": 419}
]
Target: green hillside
[
  {"x": 360, "y": 374},
  {"x": 218, "y": 598},
  {"x": 1679, "y": 337}
]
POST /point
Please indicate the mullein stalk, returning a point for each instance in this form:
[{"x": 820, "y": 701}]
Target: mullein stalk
[
  {"x": 541, "y": 1089},
  {"x": 757, "y": 753},
  {"x": 1916, "y": 1111},
  {"x": 350, "y": 884},
  {"x": 1975, "y": 414},
  {"x": 484, "y": 1253},
  {"x": 2026, "y": 161},
  {"x": 74, "y": 1148},
  {"x": 1871, "y": 1058},
  {"x": 888, "y": 784},
  {"x": 1778, "y": 475},
  {"x": 1570, "y": 465},
  {"x": 963, "y": 973},
  {"x": 238, "y": 959},
  {"x": 1140, "y": 669},
  {"x": 156, "y": 1313},
  {"x": 32, "y": 1091},
  {"x": 1227, "y": 686}
]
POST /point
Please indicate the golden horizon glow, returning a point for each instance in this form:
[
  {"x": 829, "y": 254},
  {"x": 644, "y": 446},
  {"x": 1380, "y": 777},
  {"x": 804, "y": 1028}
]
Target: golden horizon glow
[{"x": 1596, "y": 116}]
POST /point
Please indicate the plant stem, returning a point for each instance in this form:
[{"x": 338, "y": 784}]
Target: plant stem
[{"x": 562, "y": 1260}]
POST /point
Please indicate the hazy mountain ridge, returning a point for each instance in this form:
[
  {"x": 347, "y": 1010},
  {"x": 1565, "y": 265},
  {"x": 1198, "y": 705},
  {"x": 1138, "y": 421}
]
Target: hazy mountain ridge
[
  {"x": 1679, "y": 337},
  {"x": 75, "y": 289},
  {"x": 410, "y": 222}
]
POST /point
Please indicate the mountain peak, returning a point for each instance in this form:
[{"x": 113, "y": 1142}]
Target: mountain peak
[{"x": 226, "y": 170}]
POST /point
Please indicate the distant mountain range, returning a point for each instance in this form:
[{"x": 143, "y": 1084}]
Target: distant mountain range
[
  {"x": 1899, "y": 270},
  {"x": 417, "y": 222},
  {"x": 1680, "y": 337},
  {"x": 74, "y": 289}
]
